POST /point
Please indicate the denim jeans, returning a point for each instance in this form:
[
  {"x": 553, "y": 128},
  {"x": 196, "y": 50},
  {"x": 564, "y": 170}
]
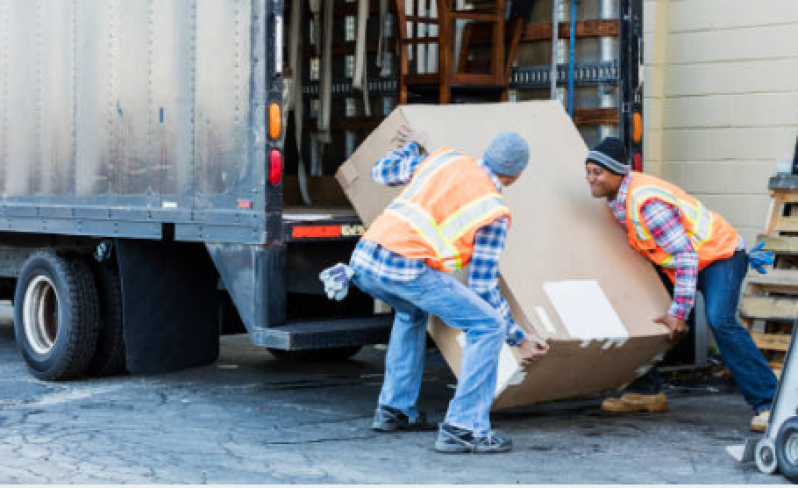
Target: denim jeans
[
  {"x": 720, "y": 284},
  {"x": 442, "y": 295}
]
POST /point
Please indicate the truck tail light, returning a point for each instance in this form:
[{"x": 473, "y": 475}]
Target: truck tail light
[
  {"x": 275, "y": 167},
  {"x": 637, "y": 127},
  {"x": 275, "y": 120},
  {"x": 637, "y": 162}
]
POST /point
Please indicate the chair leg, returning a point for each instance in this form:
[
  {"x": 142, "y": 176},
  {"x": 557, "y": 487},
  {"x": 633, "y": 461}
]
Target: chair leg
[
  {"x": 445, "y": 52},
  {"x": 444, "y": 94},
  {"x": 402, "y": 92},
  {"x": 516, "y": 29}
]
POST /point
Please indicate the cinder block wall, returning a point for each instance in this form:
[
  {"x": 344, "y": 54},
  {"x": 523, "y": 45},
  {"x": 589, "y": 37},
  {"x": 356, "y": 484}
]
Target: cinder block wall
[{"x": 721, "y": 99}]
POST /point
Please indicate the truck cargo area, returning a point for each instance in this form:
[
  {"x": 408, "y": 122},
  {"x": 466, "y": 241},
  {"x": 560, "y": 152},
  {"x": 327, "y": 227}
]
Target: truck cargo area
[{"x": 195, "y": 178}]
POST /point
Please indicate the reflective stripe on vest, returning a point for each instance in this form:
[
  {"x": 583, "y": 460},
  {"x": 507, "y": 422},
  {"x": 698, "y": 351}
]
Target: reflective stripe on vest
[
  {"x": 700, "y": 218},
  {"x": 426, "y": 171},
  {"x": 425, "y": 225},
  {"x": 458, "y": 223},
  {"x": 442, "y": 237}
]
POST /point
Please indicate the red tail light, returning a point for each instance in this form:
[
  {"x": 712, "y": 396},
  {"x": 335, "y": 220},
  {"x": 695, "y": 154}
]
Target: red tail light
[
  {"x": 275, "y": 167},
  {"x": 637, "y": 162}
]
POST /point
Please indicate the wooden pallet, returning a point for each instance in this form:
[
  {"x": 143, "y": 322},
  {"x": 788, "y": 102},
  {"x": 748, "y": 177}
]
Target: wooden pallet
[{"x": 769, "y": 305}]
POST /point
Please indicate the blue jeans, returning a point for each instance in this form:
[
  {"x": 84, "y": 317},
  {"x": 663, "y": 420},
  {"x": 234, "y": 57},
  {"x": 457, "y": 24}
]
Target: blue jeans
[
  {"x": 720, "y": 284},
  {"x": 442, "y": 295}
]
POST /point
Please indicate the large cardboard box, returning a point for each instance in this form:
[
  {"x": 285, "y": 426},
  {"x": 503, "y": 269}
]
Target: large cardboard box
[{"x": 567, "y": 270}]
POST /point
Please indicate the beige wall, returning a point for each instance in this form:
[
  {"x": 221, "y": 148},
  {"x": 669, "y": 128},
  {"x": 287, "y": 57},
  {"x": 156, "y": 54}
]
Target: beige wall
[{"x": 721, "y": 99}]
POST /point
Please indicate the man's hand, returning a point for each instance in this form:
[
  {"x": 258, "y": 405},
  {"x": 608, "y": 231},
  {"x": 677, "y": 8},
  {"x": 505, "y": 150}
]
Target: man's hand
[
  {"x": 676, "y": 325},
  {"x": 758, "y": 258},
  {"x": 406, "y": 134},
  {"x": 532, "y": 348}
]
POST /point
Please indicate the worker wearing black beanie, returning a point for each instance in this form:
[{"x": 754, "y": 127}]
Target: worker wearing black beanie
[
  {"x": 611, "y": 154},
  {"x": 699, "y": 251}
]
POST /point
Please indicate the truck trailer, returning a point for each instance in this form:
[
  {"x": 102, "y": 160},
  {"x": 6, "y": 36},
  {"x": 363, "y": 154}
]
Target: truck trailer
[{"x": 152, "y": 190}]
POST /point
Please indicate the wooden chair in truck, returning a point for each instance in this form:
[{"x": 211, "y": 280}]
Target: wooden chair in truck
[{"x": 428, "y": 58}]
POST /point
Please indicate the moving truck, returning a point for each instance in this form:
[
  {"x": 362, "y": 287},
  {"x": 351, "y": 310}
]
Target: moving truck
[{"x": 150, "y": 193}]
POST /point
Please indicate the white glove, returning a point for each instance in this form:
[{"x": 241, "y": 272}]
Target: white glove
[{"x": 336, "y": 281}]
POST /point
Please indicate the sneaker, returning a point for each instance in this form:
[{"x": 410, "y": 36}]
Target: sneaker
[
  {"x": 760, "y": 421},
  {"x": 389, "y": 419},
  {"x": 636, "y": 402},
  {"x": 454, "y": 440}
]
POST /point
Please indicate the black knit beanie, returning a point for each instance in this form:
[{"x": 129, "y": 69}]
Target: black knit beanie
[{"x": 611, "y": 154}]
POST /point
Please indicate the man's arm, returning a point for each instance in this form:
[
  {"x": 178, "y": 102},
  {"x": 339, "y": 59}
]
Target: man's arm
[
  {"x": 483, "y": 278},
  {"x": 398, "y": 166},
  {"x": 665, "y": 225}
]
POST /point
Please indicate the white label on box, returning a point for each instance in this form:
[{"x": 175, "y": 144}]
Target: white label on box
[
  {"x": 544, "y": 317},
  {"x": 584, "y": 310}
]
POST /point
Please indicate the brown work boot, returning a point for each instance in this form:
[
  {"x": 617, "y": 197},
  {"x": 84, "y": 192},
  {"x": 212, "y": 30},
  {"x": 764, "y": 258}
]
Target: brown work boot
[
  {"x": 760, "y": 421},
  {"x": 636, "y": 402}
]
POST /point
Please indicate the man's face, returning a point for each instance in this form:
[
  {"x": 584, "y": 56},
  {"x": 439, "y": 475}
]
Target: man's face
[
  {"x": 508, "y": 180},
  {"x": 603, "y": 183}
]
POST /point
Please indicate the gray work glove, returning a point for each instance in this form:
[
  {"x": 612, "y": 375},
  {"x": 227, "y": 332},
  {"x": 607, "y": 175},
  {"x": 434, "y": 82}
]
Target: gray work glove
[{"x": 336, "y": 281}]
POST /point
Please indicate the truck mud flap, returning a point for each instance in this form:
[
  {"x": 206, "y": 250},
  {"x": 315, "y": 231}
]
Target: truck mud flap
[
  {"x": 170, "y": 306},
  {"x": 255, "y": 278}
]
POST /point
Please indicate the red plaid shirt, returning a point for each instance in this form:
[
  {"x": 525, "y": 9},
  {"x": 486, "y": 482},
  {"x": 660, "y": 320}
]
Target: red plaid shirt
[{"x": 664, "y": 222}]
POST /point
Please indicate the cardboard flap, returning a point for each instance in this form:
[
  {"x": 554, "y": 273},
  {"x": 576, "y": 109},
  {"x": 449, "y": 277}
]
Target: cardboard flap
[{"x": 574, "y": 369}]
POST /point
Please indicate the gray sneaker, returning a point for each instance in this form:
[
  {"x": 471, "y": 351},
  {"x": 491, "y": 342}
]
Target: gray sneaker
[
  {"x": 454, "y": 440},
  {"x": 389, "y": 419}
]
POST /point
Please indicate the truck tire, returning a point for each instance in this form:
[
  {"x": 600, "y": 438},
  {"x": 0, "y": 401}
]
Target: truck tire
[
  {"x": 55, "y": 315},
  {"x": 317, "y": 355},
  {"x": 787, "y": 449},
  {"x": 109, "y": 359}
]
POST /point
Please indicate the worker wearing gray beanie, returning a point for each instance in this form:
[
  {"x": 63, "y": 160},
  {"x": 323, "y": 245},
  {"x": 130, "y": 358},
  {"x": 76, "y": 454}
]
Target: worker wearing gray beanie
[
  {"x": 507, "y": 155},
  {"x": 451, "y": 213}
]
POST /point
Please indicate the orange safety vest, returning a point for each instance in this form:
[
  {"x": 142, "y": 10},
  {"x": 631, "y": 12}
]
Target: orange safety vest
[
  {"x": 711, "y": 235},
  {"x": 436, "y": 217}
]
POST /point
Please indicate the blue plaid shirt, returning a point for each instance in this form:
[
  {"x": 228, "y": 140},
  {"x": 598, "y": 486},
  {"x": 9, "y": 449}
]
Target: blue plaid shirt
[{"x": 397, "y": 168}]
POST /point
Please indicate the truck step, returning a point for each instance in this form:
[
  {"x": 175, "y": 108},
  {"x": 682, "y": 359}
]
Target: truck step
[{"x": 326, "y": 333}]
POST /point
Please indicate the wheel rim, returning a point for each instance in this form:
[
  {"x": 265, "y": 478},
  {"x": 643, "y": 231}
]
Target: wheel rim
[
  {"x": 765, "y": 456},
  {"x": 791, "y": 449},
  {"x": 40, "y": 315}
]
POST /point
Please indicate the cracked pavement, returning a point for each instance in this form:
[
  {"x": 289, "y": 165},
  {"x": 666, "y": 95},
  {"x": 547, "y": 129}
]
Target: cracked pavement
[{"x": 250, "y": 418}]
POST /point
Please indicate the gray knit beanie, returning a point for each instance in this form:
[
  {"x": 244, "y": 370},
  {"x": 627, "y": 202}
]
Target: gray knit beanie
[{"x": 507, "y": 155}]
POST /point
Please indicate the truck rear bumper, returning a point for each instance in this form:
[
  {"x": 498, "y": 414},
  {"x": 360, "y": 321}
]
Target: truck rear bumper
[{"x": 325, "y": 333}]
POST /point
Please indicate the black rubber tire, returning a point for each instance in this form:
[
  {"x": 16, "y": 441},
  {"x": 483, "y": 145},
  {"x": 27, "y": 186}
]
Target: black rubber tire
[
  {"x": 317, "y": 355},
  {"x": 787, "y": 449},
  {"x": 77, "y": 307},
  {"x": 109, "y": 358}
]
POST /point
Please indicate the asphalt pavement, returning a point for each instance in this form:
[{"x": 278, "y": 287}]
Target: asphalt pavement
[{"x": 250, "y": 418}]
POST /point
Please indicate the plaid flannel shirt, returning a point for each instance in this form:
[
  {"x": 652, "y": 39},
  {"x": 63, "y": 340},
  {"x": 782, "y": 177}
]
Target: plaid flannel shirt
[
  {"x": 397, "y": 168},
  {"x": 664, "y": 222}
]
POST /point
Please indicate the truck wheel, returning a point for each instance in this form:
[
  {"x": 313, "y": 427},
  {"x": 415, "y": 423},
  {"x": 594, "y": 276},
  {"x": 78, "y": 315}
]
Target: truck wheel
[
  {"x": 55, "y": 315},
  {"x": 109, "y": 359},
  {"x": 317, "y": 355},
  {"x": 787, "y": 449}
]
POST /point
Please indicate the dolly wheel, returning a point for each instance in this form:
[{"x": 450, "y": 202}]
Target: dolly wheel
[
  {"x": 765, "y": 456},
  {"x": 787, "y": 449}
]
